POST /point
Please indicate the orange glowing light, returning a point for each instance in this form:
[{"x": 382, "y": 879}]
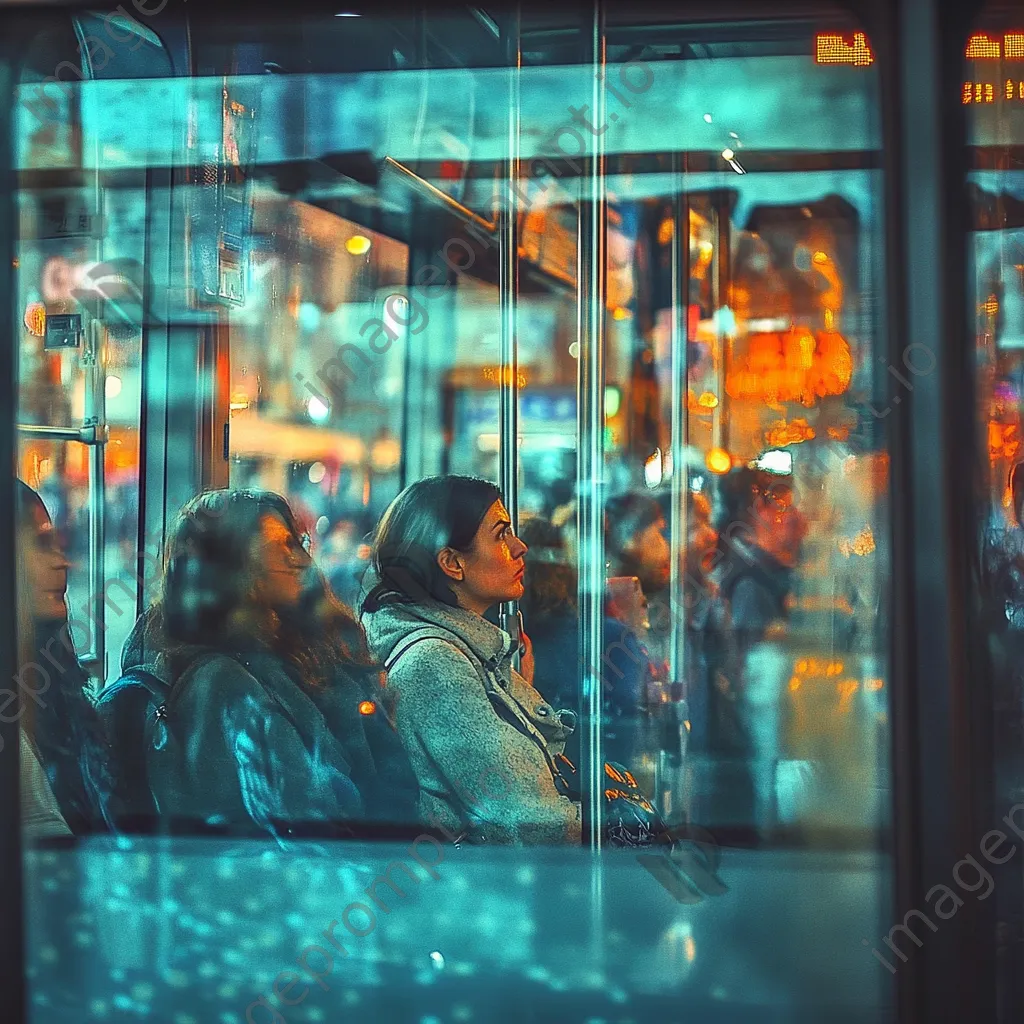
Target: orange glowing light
[
  {"x": 820, "y": 257},
  {"x": 35, "y": 319},
  {"x": 794, "y": 366},
  {"x": 836, "y": 48},
  {"x": 1013, "y": 46},
  {"x": 782, "y": 433},
  {"x": 718, "y": 460},
  {"x": 862, "y": 544},
  {"x": 981, "y": 47},
  {"x": 367, "y": 707}
]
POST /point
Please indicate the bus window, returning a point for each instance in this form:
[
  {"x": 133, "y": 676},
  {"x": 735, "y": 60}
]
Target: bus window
[
  {"x": 993, "y": 93},
  {"x": 347, "y": 253}
]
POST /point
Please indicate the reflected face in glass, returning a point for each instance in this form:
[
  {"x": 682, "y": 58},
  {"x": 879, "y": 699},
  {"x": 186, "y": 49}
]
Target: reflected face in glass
[
  {"x": 493, "y": 568},
  {"x": 652, "y": 554},
  {"x": 46, "y": 567},
  {"x": 282, "y": 563},
  {"x": 779, "y": 526}
]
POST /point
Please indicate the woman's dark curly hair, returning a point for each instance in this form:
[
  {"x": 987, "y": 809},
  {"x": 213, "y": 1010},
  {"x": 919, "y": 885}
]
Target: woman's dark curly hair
[{"x": 209, "y": 599}]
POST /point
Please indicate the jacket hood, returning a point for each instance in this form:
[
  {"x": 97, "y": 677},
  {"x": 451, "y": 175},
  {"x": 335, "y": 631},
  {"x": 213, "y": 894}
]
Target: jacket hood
[{"x": 389, "y": 624}]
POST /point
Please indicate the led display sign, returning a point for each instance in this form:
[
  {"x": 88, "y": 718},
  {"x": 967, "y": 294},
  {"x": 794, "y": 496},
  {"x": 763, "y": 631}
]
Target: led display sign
[
  {"x": 837, "y": 48},
  {"x": 985, "y": 46}
]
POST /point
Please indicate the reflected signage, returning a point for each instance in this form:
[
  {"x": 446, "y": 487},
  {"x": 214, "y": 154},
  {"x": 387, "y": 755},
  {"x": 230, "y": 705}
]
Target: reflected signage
[
  {"x": 984, "y": 46},
  {"x": 843, "y": 48},
  {"x": 1011, "y": 90}
]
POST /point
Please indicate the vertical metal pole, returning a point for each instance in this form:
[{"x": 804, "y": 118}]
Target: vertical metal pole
[
  {"x": 680, "y": 479},
  {"x": 12, "y": 921},
  {"x": 508, "y": 296},
  {"x": 591, "y": 296},
  {"x": 680, "y": 419},
  {"x": 96, "y": 416},
  {"x": 723, "y": 276}
]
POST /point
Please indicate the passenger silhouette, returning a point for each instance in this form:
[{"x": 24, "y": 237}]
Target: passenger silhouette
[
  {"x": 275, "y": 720},
  {"x": 65, "y": 757}
]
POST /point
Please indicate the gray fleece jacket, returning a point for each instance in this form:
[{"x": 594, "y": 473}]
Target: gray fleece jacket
[{"x": 479, "y": 736}]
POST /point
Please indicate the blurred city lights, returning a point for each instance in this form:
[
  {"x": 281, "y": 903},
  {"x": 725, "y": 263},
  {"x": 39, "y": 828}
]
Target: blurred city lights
[
  {"x": 318, "y": 411},
  {"x": 718, "y": 460}
]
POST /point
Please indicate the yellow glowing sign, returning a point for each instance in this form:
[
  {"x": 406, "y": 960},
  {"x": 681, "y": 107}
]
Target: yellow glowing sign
[
  {"x": 836, "y": 48},
  {"x": 977, "y": 92},
  {"x": 498, "y": 375},
  {"x": 982, "y": 46}
]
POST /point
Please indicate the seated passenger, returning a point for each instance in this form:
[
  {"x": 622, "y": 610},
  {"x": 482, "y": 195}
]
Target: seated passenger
[
  {"x": 550, "y": 612},
  {"x": 481, "y": 738},
  {"x": 630, "y": 676},
  {"x": 275, "y": 719},
  {"x": 66, "y": 782},
  {"x": 635, "y": 545}
]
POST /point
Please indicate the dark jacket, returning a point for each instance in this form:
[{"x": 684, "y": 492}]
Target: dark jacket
[
  {"x": 755, "y": 589},
  {"x": 243, "y": 745},
  {"x": 69, "y": 739}
]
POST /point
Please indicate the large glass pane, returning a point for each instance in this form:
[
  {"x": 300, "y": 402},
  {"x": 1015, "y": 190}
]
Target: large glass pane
[
  {"x": 993, "y": 92},
  {"x": 342, "y": 244}
]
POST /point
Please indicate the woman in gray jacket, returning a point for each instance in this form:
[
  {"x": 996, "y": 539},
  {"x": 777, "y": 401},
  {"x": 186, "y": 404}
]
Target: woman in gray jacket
[{"x": 481, "y": 739}]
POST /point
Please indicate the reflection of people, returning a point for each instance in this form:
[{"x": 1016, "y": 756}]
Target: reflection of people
[
  {"x": 629, "y": 675},
  {"x": 481, "y": 738},
  {"x": 64, "y": 752},
  {"x": 276, "y": 717},
  {"x": 549, "y": 607},
  {"x": 701, "y": 603},
  {"x": 635, "y": 543},
  {"x": 1003, "y": 557},
  {"x": 757, "y": 577}
]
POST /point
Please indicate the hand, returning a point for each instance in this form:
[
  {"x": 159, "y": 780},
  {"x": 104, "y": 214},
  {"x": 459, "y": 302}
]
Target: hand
[{"x": 526, "y": 663}]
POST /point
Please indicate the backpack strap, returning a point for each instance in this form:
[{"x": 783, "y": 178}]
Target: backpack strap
[
  {"x": 410, "y": 640},
  {"x": 523, "y": 725},
  {"x": 137, "y": 676}
]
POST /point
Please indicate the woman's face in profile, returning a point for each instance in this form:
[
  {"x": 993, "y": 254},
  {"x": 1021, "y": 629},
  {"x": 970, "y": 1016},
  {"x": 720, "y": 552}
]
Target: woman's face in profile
[
  {"x": 494, "y": 567},
  {"x": 653, "y": 553},
  {"x": 45, "y": 566},
  {"x": 283, "y": 563}
]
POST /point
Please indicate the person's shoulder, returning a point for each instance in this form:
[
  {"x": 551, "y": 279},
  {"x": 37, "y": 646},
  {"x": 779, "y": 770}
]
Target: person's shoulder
[
  {"x": 432, "y": 659},
  {"x": 216, "y": 675}
]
